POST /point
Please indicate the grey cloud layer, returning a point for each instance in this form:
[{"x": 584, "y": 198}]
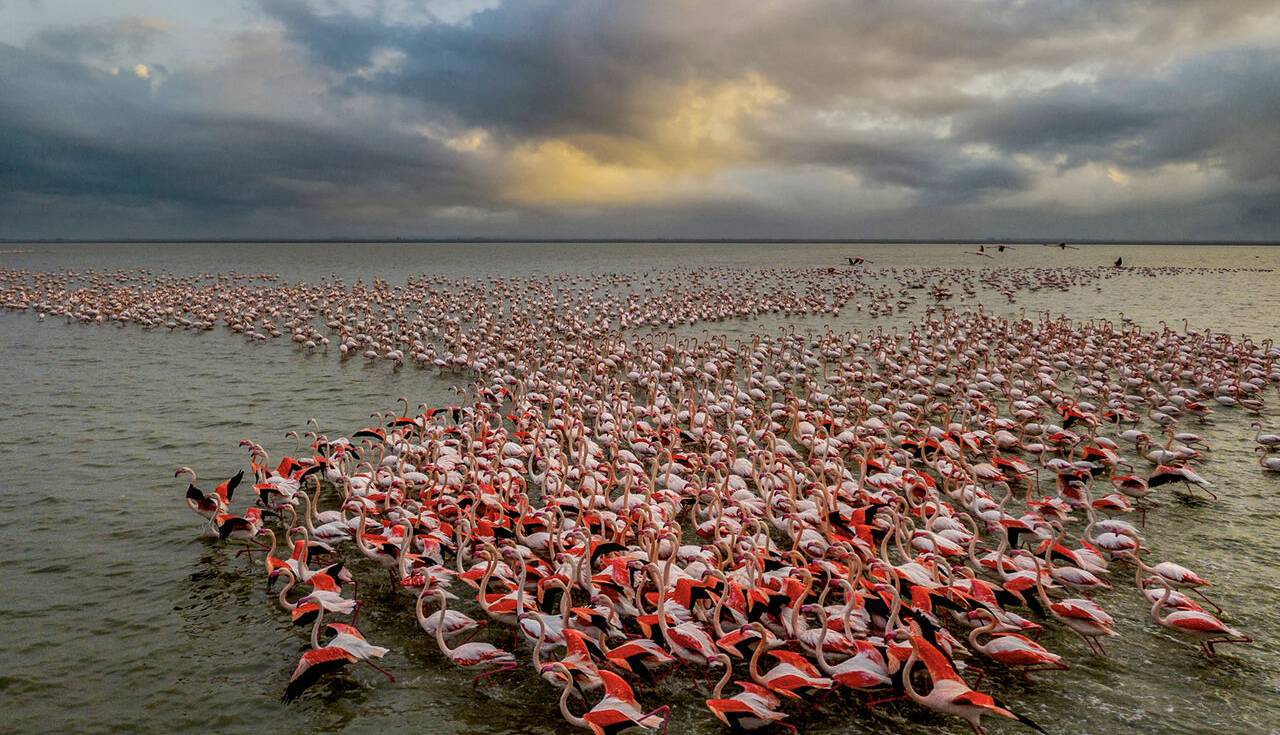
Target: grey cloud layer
[
  {"x": 967, "y": 117},
  {"x": 1221, "y": 106},
  {"x": 75, "y": 137}
]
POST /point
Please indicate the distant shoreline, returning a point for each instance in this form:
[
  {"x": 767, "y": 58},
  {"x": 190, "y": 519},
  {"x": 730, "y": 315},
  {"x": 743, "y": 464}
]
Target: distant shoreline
[{"x": 616, "y": 240}]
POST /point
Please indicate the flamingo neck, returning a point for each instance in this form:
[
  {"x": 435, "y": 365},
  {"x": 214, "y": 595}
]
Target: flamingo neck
[
  {"x": 284, "y": 593},
  {"x": 907, "y": 685},
  {"x": 272, "y": 551},
  {"x": 308, "y": 512},
  {"x": 571, "y": 718},
  {"x": 724, "y": 678},
  {"x": 822, "y": 643},
  {"x": 484, "y": 582},
  {"x": 444, "y": 605},
  {"x": 360, "y": 531},
  {"x": 542, "y": 640},
  {"x": 315, "y": 627},
  {"x": 417, "y": 608},
  {"x": 1160, "y": 605},
  {"x": 978, "y": 632},
  {"x": 754, "y": 666}
]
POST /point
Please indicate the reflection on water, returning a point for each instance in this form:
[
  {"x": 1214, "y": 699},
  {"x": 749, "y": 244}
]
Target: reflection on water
[{"x": 119, "y": 618}]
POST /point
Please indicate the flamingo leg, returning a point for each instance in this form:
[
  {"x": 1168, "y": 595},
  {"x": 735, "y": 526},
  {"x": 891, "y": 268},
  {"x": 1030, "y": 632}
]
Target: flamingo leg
[
  {"x": 1089, "y": 642},
  {"x": 1059, "y": 666},
  {"x": 475, "y": 631},
  {"x": 886, "y": 700},
  {"x": 475, "y": 680},
  {"x": 1217, "y": 608},
  {"x": 384, "y": 672},
  {"x": 665, "y": 710},
  {"x": 982, "y": 673}
]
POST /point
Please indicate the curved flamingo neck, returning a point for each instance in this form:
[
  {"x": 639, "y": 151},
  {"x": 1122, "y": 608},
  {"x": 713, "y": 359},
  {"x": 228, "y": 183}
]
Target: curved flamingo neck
[
  {"x": 283, "y": 597},
  {"x": 1160, "y": 604},
  {"x": 315, "y": 627},
  {"x": 907, "y": 684},
  {"x": 822, "y": 642},
  {"x": 444, "y": 606},
  {"x": 724, "y": 678},
  {"x": 978, "y": 632},
  {"x": 754, "y": 667},
  {"x": 571, "y": 718}
]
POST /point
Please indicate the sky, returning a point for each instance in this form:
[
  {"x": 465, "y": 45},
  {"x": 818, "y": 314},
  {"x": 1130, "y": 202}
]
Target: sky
[{"x": 1122, "y": 119}]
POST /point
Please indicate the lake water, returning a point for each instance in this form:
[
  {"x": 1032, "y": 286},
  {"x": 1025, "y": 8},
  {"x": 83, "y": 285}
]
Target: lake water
[{"x": 118, "y": 617}]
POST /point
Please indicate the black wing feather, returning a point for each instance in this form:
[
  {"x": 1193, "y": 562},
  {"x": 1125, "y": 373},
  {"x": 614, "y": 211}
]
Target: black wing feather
[
  {"x": 233, "y": 483},
  {"x": 310, "y": 676}
]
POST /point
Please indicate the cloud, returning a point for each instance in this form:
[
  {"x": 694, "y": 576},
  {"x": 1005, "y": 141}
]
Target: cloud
[
  {"x": 103, "y": 42},
  {"x": 588, "y": 117},
  {"x": 73, "y": 132},
  {"x": 1217, "y": 110},
  {"x": 700, "y": 132}
]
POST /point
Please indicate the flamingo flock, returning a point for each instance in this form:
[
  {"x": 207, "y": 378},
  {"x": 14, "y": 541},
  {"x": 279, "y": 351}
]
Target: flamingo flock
[{"x": 611, "y": 502}]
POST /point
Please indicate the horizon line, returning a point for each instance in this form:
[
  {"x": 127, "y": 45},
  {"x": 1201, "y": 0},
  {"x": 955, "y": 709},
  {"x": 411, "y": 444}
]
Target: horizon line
[{"x": 625, "y": 240}]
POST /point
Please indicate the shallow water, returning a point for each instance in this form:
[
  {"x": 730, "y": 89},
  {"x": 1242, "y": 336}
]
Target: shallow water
[{"x": 119, "y": 618}]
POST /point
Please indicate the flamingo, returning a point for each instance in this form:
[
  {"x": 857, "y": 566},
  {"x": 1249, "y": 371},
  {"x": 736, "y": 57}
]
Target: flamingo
[
  {"x": 1084, "y": 617},
  {"x": 448, "y": 622},
  {"x": 1176, "y": 576},
  {"x": 1267, "y": 462},
  {"x": 616, "y": 713},
  {"x": 865, "y": 669},
  {"x": 755, "y": 475},
  {"x": 950, "y": 695},
  {"x": 348, "y": 646},
  {"x": 1268, "y": 442},
  {"x": 473, "y": 656},
  {"x": 792, "y": 675},
  {"x": 1198, "y": 624},
  {"x": 315, "y": 663},
  {"x": 750, "y": 709},
  {"x": 216, "y": 502},
  {"x": 1012, "y": 649}
]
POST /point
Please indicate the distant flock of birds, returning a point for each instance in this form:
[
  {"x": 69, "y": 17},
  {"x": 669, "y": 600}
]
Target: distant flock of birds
[{"x": 880, "y": 514}]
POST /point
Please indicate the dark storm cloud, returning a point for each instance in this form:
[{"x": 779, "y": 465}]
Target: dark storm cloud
[
  {"x": 816, "y": 116},
  {"x": 526, "y": 69},
  {"x": 933, "y": 169},
  {"x": 547, "y": 69},
  {"x": 70, "y": 131},
  {"x": 1223, "y": 107},
  {"x": 557, "y": 65}
]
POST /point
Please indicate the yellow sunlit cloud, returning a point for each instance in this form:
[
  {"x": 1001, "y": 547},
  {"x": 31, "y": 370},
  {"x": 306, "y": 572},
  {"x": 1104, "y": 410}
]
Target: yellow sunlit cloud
[
  {"x": 701, "y": 135},
  {"x": 556, "y": 171},
  {"x": 1118, "y": 176},
  {"x": 141, "y": 71}
]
